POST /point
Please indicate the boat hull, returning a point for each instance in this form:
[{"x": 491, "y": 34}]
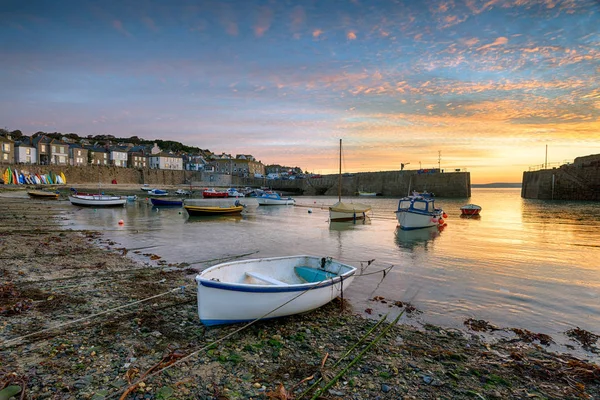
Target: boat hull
[
  {"x": 230, "y": 293},
  {"x": 470, "y": 209},
  {"x": 264, "y": 201},
  {"x": 42, "y": 195},
  {"x": 200, "y": 211},
  {"x": 214, "y": 195},
  {"x": 339, "y": 216},
  {"x": 409, "y": 220},
  {"x": 166, "y": 203},
  {"x": 97, "y": 201}
]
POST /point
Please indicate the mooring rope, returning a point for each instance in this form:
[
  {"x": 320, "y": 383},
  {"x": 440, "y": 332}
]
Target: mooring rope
[
  {"x": 192, "y": 354},
  {"x": 9, "y": 343}
]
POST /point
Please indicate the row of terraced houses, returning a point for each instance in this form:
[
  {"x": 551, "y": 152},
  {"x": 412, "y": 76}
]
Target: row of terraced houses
[{"x": 45, "y": 150}]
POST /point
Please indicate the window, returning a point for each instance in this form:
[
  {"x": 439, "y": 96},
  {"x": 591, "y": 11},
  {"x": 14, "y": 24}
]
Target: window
[
  {"x": 105, "y": 155},
  {"x": 6, "y": 147},
  {"x": 28, "y": 152},
  {"x": 54, "y": 149},
  {"x": 43, "y": 148},
  {"x": 78, "y": 152},
  {"x": 5, "y": 157}
]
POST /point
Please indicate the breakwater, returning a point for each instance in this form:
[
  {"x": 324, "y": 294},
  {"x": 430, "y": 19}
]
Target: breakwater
[
  {"x": 385, "y": 183},
  {"x": 577, "y": 181}
]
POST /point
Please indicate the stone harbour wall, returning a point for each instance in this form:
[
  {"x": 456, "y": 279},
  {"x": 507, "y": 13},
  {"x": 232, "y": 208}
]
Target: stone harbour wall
[{"x": 577, "y": 181}]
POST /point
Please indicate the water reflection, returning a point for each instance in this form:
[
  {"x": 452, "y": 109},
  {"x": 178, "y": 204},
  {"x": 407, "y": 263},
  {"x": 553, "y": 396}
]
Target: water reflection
[
  {"x": 348, "y": 225},
  {"x": 417, "y": 237},
  {"x": 215, "y": 218},
  {"x": 476, "y": 217}
]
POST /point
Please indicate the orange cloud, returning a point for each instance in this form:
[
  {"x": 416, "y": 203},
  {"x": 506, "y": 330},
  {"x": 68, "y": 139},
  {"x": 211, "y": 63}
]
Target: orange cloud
[
  {"x": 498, "y": 42},
  {"x": 316, "y": 33},
  {"x": 351, "y": 35}
]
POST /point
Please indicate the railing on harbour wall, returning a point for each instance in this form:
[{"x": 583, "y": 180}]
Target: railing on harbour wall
[{"x": 539, "y": 167}]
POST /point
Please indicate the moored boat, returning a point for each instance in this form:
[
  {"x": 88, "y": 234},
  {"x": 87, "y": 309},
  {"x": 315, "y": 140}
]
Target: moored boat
[
  {"x": 212, "y": 193},
  {"x": 231, "y": 192},
  {"x": 163, "y": 202},
  {"x": 97, "y": 200},
  {"x": 194, "y": 210},
  {"x": 367, "y": 194},
  {"x": 418, "y": 211},
  {"x": 342, "y": 211},
  {"x": 243, "y": 291},
  {"x": 274, "y": 199},
  {"x": 470, "y": 209},
  {"x": 158, "y": 192},
  {"x": 42, "y": 194}
]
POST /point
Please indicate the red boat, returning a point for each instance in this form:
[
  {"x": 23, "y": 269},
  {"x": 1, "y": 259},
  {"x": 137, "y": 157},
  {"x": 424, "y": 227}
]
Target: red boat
[
  {"x": 470, "y": 209},
  {"x": 212, "y": 193}
]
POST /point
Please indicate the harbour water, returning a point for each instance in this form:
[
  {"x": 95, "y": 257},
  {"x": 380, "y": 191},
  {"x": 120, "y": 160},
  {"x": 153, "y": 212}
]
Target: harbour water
[{"x": 523, "y": 263}]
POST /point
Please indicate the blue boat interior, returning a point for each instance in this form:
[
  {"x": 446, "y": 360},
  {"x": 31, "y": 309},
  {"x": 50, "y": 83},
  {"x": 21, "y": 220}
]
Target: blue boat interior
[{"x": 312, "y": 274}]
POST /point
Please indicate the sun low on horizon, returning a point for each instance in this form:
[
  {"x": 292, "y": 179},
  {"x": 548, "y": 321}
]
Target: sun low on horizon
[{"x": 494, "y": 87}]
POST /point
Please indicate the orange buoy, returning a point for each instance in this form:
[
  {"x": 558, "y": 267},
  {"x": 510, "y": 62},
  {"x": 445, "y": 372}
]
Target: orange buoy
[
  {"x": 121, "y": 222},
  {"x": 445, "y": 215},
  {"x": 441, "y": 221}
]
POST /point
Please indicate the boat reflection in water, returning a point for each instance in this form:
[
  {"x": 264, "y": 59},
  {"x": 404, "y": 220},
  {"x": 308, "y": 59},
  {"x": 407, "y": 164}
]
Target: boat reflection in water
[
  {"x": 215, "y": 218},
  {"x": 348, "y": 225},
  {"x": 417, "y": 237}
]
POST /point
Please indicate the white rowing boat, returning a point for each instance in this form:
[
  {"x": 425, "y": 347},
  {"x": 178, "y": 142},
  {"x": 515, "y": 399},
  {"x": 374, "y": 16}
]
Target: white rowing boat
[{"x": 243, "y": 291}]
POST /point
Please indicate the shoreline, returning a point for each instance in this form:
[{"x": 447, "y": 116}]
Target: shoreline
[{"x": 64, "y": 275}]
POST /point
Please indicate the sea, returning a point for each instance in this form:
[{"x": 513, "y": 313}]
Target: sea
[{"x": 529, "y": 264}]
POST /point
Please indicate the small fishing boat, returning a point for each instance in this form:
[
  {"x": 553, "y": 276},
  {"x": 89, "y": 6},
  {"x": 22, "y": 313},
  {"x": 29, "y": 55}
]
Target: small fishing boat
[
  {"x": 243, "y": 291},
  {"x": 274, "y": 199},
  {"x": 166, "y": 202},
  {"x": 97, "y": 200},
  {"x": 42, "y": 194},
  {"x": 146, "y": 187},
  {"x": 418, "y": 211},
  {"x": 470, "y": 209},
  {"x": 213, "y": 210},
  {"x": 158, "y": 192},
  {"x": 212, "y": 193},
  {"x": 181, "y": 192}
]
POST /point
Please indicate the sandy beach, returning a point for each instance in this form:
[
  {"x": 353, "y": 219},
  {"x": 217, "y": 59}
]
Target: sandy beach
[{"x": 80, "y": 318}]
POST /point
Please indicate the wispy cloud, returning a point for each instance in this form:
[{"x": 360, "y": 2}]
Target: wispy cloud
[
  {"x": 118, "y": 25},
  {"x": 263, "y": 22}
]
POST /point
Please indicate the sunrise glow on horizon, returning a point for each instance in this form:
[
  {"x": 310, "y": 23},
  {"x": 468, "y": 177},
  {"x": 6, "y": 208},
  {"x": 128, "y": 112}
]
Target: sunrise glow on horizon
[{"x": 482, "y": 86}]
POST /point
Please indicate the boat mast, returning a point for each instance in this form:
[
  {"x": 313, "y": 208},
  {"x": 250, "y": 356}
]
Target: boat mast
[{"x": 340, "y": 175}]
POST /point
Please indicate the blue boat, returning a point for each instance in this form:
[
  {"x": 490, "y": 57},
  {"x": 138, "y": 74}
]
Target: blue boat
[{"x": 166, "y": 202}]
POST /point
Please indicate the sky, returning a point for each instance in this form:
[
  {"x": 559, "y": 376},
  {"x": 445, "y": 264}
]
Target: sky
[{"x": 493, "y": 87}]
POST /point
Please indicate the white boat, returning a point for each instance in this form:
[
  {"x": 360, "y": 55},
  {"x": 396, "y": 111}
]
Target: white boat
[
  {"x": 274, "y": 199},
  {"x": 418, "y": 211},
  {"x": 367, "y": 194},
  {"x": 97, "y": 200},
  {"x": 243, "y": 291},
  {"x": 231, "y": 192},
  {"x": 182, "y": 192},
  {"x": 146, "y": 187},
  {"x": 342, "y": 211}
]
